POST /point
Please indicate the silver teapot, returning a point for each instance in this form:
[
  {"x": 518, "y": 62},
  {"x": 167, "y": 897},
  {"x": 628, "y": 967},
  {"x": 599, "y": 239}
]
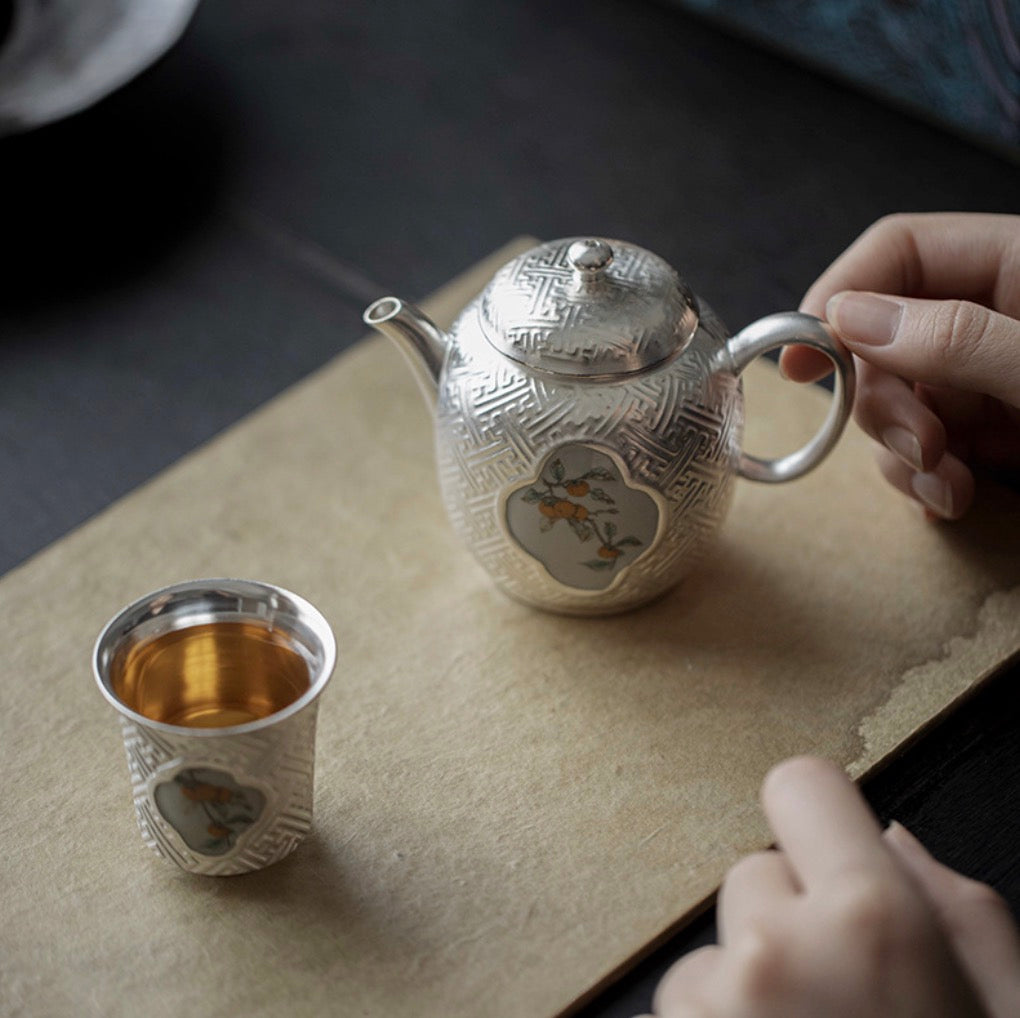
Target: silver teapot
[{"x": 589, "y": 419}]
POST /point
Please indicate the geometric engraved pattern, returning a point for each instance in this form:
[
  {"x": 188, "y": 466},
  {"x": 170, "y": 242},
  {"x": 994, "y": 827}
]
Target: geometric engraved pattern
[
  {"x": 539, "y": 311},
  {"x": 678, "y": 429},
  {"x": 280, "y": 758}
]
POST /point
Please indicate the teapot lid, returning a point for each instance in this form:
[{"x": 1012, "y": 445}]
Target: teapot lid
[{"x": 584, "y": 306}]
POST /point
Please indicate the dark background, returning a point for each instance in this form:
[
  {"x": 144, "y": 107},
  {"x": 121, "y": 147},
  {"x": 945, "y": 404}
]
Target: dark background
[{"x": 210, "y": 234}]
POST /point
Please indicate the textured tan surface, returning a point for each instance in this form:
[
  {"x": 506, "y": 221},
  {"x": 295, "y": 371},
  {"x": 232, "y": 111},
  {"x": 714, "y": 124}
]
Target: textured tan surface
[{"x": 510, "y": 805}]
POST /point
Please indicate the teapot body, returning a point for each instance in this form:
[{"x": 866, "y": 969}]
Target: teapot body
[{"x": 586, "y": 496}]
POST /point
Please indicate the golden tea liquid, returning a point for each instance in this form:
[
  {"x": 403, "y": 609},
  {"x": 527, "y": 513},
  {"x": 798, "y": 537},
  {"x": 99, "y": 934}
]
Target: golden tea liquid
[{"x": 211, "y": 676}]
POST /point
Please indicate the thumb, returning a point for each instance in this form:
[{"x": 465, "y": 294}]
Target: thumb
[
  {"x": 951, "y": 343},
  {"x": 976, "y": 920}
]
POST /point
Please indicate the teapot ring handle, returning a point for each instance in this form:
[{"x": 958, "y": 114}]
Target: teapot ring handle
[{"x": 775, "y": 331}]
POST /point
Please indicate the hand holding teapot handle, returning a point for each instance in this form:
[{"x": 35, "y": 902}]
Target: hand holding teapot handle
[{"x": 770, "y": 333}]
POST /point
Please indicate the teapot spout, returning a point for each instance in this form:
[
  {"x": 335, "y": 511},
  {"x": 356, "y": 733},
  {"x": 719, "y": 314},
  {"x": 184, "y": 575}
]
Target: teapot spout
[{"x": 421, "y": 341}]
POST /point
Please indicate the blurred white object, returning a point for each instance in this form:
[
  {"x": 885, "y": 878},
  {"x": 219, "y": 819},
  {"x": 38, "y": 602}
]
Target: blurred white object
[{"x": 61, "y": 56}]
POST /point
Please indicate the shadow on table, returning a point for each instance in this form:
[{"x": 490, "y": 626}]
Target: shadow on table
[{"x": 311, "y": 891}]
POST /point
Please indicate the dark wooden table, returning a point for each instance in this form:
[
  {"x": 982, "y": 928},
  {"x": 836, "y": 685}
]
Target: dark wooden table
[{"x": 209, "y": 234}]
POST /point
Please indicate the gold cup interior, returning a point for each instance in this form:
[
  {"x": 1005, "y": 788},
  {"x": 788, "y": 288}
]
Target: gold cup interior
[{"x": 211, "y": 675}]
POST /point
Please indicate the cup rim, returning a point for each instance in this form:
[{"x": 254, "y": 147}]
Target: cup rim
[{"x": 149, "y": 606}]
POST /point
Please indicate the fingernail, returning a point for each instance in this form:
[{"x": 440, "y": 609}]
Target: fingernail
[
  {"x": 864, "y": 317},
  {"x": 904, "y": 443},
  {"x": 906, "y": 840},
  {"x": 934, "y": 492}
]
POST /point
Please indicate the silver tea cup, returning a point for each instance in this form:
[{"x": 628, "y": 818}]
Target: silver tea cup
[{"x": 216, "y": 683}]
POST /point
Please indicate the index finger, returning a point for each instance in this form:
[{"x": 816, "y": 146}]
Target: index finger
[
  {"x": 822, "y": 822},
  {"x": 964, "y": 256}
]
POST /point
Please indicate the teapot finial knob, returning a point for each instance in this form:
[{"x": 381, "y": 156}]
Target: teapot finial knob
[{"x": 590, "y": 257}]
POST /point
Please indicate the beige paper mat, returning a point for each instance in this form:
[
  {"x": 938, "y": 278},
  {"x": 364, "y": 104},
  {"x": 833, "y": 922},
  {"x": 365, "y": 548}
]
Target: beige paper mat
[{"x": 510, "y": 805}]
